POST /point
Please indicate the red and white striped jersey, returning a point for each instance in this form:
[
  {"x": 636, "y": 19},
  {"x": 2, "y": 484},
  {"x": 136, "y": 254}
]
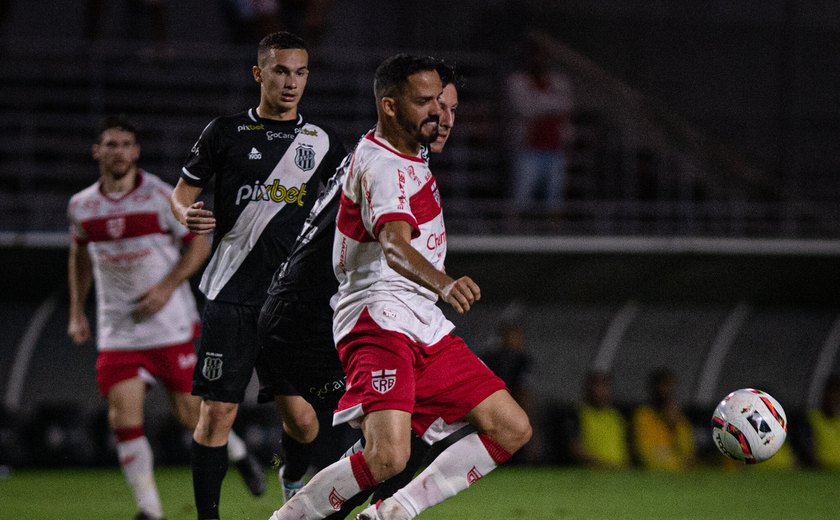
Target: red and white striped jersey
[
  {"x": 134, "y": 242},
  {"x": 384, "y": 185}
]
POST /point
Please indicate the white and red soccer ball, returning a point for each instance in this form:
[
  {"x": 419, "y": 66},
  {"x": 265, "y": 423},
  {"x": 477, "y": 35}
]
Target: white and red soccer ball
[{"x": 749, "y": 426}]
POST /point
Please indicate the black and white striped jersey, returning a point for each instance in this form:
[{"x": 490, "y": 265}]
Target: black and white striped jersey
[{"x": 266, "y": 176}]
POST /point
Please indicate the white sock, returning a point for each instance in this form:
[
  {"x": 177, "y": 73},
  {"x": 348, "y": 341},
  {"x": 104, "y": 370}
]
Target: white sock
[
  {"x": 236, "y": 447},
  {"x": 324, "y": 494},
  {"x": 455, "y": 469},
  {"x": 137, "y": 465}
]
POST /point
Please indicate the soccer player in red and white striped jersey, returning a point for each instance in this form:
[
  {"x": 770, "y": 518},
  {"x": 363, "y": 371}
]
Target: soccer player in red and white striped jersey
[
  {"x": 405, "y": 369},
  {"x": 127, "y": 243}
]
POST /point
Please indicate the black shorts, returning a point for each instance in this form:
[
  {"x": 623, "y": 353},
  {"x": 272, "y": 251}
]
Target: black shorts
[
  {"x": 227, "y": 352},
  {"x": 298, "y": 354}
]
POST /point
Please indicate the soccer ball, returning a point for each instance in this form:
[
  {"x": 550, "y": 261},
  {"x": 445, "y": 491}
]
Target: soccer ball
[{"x": 749, "y": 426}]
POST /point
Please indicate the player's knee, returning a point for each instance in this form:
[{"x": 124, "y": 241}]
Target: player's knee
[
  {"x": 217, "y": 413},
  {"x": 520, "y": 431},
  {"x": 386, "y": 460},
  {"x": 512, "y": 431},
  {"x": 302, "y": 428}
]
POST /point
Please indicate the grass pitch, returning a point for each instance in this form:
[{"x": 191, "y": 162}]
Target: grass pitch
[{"x": 507, "y": 493}]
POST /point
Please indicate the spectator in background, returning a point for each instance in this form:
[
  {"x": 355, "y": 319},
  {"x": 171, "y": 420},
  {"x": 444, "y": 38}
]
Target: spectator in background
[
  {"x": 662, "y": 434},
  {"x": 250, "y": 20},
  {"x": 511, "y": 361},
  {"x": 824, "y": 423},
  {"x": 602, "y": 437},
  {"x": 155, "y": 30},
  {"x": 541, "y": 103}
]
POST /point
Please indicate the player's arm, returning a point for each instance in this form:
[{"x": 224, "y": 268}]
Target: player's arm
[
  {"x": 189, "y": 212},
  {"x": 194, "y": 255},
  {"x": 80, "y": 280},
  {"x": 395, "y": 238}
]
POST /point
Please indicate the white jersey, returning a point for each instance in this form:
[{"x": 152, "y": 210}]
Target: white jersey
[
  {"x": 384, "y": 185},
  {"x": 134, "y": 243}
]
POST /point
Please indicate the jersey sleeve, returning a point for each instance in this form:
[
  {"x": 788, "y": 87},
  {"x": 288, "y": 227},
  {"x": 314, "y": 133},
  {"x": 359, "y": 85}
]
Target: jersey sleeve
[
  {"x": 199, "y": 167},
  {"x": 385, "y": 198},
  {"x": 334, "y": 158},
  {"x": 77, "y": 232}
]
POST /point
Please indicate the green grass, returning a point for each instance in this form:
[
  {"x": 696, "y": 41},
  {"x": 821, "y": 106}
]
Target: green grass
[{"x": 508, "y": 493}]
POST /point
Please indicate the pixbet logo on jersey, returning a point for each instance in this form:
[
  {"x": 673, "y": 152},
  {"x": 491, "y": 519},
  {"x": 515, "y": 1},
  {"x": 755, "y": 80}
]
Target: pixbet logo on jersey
[{"x": 274, "y": 192}]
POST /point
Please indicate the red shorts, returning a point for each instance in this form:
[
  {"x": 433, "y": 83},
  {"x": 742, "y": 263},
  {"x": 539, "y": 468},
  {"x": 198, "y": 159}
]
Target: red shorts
[
  {"x": 173, "y": 365},
  {"x": 387, "y": 370}
]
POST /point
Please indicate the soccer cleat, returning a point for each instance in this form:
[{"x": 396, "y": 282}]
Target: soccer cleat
[
  {"x": 142, "y": 515},
  {"x": 369, "y": 513},
  {"x": 390, "y": 509},
  {"x": 290, "y": 488},
  {"x": 252, "y": 473}
]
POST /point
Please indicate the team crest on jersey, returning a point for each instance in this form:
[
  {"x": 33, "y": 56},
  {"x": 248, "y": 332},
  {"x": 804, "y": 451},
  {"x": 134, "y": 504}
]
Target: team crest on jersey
[
  {"x": 383, "y": 380},
  {"x": 473, "y": 476},
  {"x": 115, "y": 227},
  {"x": 305, "y": 157},
  {"x": 212, "y": 369}
]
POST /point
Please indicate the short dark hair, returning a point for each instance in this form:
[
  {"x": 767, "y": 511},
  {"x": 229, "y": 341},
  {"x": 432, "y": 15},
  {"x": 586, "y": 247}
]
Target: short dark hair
[
  {"x": 280, "y": 40},
  {"x": 392, "y": 74},
  {"x": 120, "y": 121},
  {"x": 449, "y": 75}
]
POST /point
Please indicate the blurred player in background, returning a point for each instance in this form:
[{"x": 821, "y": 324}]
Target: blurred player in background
[
  {"x": 125, "y": 237},
  {"x": 405, "y": 370},
  {"x": 268, "y": 164},
  {"x": 295, "y": 323}
]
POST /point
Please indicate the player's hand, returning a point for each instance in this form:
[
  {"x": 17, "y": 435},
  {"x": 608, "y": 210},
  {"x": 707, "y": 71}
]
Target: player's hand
[
  {"x": 461, "y": 294},
  {"x": 199, "y": 220},
  {"x": 151, "y": 302},
  {"x": 78, "y": 328}
]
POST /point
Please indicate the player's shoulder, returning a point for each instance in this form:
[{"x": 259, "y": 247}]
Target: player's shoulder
[
  {"x": 316, "y": 128},
  {"x": 235, "y": 123},
  {"x": 374, "y": 148},
  {"x": 88, "y": 193},
  {"x": 151, "y": 182}
]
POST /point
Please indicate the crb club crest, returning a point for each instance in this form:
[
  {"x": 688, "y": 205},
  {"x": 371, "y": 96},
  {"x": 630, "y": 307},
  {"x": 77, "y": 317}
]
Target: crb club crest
[
  {"x": 383, "y": 380},
  {"x": 115, "y": 227},
  {"x": 212, "y": 369},
  {"x": 305, "y": 157},
  {"x": 473, "y": 476}
]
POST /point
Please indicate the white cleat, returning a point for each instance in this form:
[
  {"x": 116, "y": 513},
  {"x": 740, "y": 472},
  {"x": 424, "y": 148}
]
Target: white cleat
[
  {"x": 388, "y": 510},
  {"x": 368, "y": 514}
]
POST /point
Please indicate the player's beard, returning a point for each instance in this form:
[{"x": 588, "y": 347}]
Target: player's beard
[{"x": 417, "y": 131}]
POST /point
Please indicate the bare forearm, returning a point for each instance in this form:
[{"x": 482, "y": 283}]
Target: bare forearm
[
  {"x": 395, "y": 238},
  {"x": 189, "y": 212},
  {"x": 408, "y": 262},
  {"x": 79, "y": 278}
]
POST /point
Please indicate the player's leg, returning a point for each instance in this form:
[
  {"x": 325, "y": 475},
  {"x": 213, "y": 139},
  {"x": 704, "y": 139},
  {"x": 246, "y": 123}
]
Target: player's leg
[
  {"x": 387, "y": 446},
  {"x": 300, "y": 428},
  {"x": 186, "y": 407},
  {"x": 475, "y": 394},
  {"x": 298, "y": 357},
  {"x": 125, "y": 417},
  {"x": 226, "y": 356},
  {"x": 382, "y": 407}
]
